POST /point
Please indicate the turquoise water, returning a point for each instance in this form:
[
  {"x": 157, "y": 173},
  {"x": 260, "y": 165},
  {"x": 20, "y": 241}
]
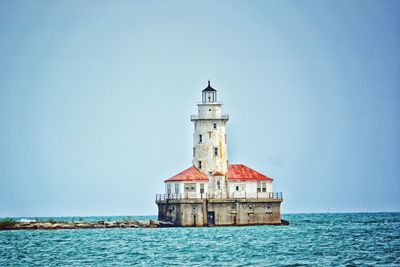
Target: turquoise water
[{"x": 352, "y": 239}]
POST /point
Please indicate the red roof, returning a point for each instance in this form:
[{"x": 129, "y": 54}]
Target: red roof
[
  {"x": 241, "y": 172},
  {"x": 236, "y": 172},
  {"x": 190, "y": 174}
]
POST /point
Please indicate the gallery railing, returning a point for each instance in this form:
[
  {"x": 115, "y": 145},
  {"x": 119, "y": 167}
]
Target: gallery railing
[
  {"x": 221, "y": 117},
  {"x": 234, "y": 195}
]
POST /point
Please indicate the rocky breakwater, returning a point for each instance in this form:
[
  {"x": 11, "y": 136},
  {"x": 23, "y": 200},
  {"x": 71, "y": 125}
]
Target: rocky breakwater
[{"x": 53, "y": 225}]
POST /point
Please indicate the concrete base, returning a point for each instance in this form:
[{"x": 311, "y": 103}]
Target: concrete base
[{"x": 215, "y": 212}]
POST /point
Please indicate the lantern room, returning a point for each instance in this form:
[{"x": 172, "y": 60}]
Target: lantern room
[{"x": 209, "y": 94}]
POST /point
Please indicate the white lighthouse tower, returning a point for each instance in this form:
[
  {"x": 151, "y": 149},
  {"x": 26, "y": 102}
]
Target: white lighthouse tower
[{"x": 210, "y": 153}]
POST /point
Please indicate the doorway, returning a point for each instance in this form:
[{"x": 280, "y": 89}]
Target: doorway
[{"x": 211, "y": 218}]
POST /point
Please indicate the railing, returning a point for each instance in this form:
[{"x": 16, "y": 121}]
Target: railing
[
  {"x": 222, "y": 117},
  {"x": 234, "y": 195}
]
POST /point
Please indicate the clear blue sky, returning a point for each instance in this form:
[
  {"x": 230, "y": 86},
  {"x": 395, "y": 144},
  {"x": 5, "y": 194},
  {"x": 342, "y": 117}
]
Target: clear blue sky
[{"x": 95, "y": 99}]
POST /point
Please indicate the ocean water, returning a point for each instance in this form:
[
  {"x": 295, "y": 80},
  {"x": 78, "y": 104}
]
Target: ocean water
[{"x": 349, "y": 239}]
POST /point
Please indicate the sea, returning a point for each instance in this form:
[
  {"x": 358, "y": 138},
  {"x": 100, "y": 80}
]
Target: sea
[{"x": 325, "y": 239}]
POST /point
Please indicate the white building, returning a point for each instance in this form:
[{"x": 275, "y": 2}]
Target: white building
[{"x": 211, "y": 175}]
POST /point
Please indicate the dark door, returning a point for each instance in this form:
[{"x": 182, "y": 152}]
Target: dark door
[{"x": 211, "y": 218}]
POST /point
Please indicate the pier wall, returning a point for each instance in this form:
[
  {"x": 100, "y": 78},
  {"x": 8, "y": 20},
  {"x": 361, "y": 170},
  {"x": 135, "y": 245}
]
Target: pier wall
[{"x": 214, "y": 212}]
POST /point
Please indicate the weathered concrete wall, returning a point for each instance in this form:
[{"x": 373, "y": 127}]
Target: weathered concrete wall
[
  {"x": 193, "y": 212},
  {"x": 186, "y": 212},
  {"x": 211, "y": 137}
]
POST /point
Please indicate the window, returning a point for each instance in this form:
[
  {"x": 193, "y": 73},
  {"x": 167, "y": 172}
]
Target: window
[
  {"x": 215, "y": 151},
  {"x": 176, "y": 188},
  {"x": 269, "y": 208},
  {"x": 200, "y": 138},
  {"x": 225, "y": 138},
  {"x": 215, "y": 125},
  {"x": 194, "y": 152},
  {"x": 218, "y": 184},
  {"x": 199, "y": 164},
  {"x": 168, "y": 189},
  {"x": 237, "y": 188},
  {"x": 190, "y": 187},
  {"x": 261, "y": 187},
  {"x": 201, "y": 188}
]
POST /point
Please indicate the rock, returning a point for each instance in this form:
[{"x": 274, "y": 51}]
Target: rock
[
  {"x": 133, "y": 223},
  {"x": 23, "y": 224},
  {"x": 284, "y": 222},
  {"x": 38, "y": 225},
  {"x": 165, "y": 224},
  {"x": 29, "y": 226},
  {"x": 111, "y": 224},
  {"x": 68, "y": 225},
  {"x": 153, "y": 222},
  {"x": 144, "y": 222},
  {"x": 57, "y": 226},
  {"x": 81, "y": 225}
]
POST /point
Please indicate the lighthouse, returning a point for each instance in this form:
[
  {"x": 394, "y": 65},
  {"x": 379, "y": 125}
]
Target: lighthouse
[
  {"x": 210, "y": 154},
  {"x": 213, "y": 191}
]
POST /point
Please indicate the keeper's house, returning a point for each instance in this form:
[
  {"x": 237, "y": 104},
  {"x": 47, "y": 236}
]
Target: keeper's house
[{"x": 212, "y": 191}]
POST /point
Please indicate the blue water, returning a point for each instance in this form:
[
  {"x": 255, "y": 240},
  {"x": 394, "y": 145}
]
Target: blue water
[{"x": 352, "y": 239}]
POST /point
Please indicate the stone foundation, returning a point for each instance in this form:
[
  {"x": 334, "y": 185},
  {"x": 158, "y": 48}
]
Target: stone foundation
[{"x": 218, "y": 212}]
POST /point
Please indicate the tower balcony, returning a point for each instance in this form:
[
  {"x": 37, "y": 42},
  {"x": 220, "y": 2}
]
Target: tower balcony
[
  {"x": 234, "y": 195},
  {"x": 224, "y": 117},
  {"x": 216, "y": 103}
]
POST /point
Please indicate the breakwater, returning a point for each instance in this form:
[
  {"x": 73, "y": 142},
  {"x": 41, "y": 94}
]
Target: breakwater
[{"x": 53, "y": 225}]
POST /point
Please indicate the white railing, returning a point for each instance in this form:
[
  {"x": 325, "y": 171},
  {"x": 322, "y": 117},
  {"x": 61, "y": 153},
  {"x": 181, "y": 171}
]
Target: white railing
[{"x": 234, "y": 195}]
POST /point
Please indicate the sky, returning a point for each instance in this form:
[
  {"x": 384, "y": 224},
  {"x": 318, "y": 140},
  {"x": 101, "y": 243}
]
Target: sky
[{"x": 96, "y": 98}]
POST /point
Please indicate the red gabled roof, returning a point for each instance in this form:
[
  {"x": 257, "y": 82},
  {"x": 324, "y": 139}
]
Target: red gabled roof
[
  {"x": 236, "y": 172},
  {"x": 240, "y": 172},
  {"x": 190, "y": 174}
]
